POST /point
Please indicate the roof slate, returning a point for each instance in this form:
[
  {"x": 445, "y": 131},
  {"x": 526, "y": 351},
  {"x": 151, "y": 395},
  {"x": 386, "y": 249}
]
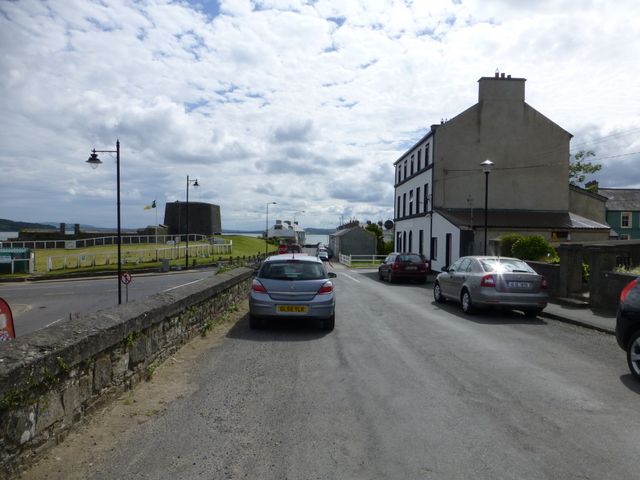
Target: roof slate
[
  {"x": 520, "y": 219},
  {"x": 621, "y": 199}
]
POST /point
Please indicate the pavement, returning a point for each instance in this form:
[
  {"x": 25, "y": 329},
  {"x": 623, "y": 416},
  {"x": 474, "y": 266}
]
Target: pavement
[{"x": 602, "y": 321}]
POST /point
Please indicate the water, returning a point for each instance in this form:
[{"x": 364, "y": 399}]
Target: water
[
  {"x": 310, "y": 239},
  {"x": 4, "y": 236},
  {"x": 315, "y": 239}
]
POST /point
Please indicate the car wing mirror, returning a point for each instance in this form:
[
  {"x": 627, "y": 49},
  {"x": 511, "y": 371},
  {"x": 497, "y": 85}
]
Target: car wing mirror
[{"x": 332, "y": 275}]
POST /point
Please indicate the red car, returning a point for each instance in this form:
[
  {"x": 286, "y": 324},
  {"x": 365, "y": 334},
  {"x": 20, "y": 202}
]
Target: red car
[{"x": 409, "y": 266}]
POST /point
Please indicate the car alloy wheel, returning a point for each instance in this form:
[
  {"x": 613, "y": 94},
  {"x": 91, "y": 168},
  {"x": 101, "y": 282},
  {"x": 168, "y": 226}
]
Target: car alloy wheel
[
  {"x": 467, "y": 304},
  {"x": 633, "y": 355},
  {"x": 437, "y": 293}
]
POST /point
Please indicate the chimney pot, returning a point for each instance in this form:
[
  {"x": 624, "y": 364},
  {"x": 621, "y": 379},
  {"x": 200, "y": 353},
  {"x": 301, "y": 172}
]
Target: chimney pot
[{"x": 502, "y": 75}]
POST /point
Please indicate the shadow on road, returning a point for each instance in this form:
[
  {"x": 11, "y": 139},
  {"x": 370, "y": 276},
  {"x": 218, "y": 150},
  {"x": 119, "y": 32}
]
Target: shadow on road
[{"x": 287, "y": 330}]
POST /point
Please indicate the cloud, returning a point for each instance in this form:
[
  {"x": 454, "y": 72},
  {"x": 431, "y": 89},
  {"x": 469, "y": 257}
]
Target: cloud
[{"x": 303, "y": 103}]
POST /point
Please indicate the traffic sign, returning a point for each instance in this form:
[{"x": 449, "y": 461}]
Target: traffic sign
[
  {"x": 282, "y": 248},
  {"x": 125, "y": 278}
]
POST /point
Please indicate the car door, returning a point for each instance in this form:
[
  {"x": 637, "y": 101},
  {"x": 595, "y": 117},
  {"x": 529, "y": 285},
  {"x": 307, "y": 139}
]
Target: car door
[
  {"x": 446, "y": 281},
  {"x": 384, "y": 267},
  {"x": 459, "y": 276}
]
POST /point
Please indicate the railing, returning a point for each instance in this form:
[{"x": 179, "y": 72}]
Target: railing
[
  {"x": 112, "y": 240},
  {"x": 364, "y": 261},
  {"x": 62, "y": 262}
]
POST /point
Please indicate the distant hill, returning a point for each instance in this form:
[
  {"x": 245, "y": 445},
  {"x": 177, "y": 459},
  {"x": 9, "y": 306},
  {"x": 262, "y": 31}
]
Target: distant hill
[{"x": 11, "y": 226}]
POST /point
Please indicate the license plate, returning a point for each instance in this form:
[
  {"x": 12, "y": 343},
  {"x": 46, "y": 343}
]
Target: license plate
[
  {"x": 519, "y": 284},
  {"x": 410, "y": 267},
  {"x": 292, "y": 309}
]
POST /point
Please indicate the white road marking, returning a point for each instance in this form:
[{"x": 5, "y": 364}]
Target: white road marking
[
  {"x": 349, "y": 276},
  {"x": 184, "y": 285}
]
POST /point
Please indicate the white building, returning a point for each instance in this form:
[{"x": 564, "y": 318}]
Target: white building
[
  {"x": 288, "y": 232},
  {"x": 440, "y": 186}
]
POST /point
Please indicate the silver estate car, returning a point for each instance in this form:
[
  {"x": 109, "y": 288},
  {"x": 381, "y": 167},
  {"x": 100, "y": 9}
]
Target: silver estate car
[
  {"x": 484, "y": 282},
  {"x": 293, "y": 286}
]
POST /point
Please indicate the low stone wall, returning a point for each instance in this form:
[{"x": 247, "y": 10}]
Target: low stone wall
[
  {"x": 54, "y": 379},
  {"x": 606, "y": 289},
  {"x": 551, "y": 273}
]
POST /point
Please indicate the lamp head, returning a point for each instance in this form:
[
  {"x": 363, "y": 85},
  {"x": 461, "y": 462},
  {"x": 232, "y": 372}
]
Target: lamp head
[
  {"x": 196, "y": 184},
  {"x": 486, "y": 166},
  {"x": 94, "y": 161}
]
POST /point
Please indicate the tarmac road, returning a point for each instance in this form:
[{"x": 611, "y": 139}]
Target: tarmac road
[{"x": 402, "y": 388}]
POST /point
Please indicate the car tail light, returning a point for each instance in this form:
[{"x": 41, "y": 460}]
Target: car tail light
[
  {"x": 326, "y": 288},
  {"x": 256, "y": 286},
  {"x": 488, "y": 281},
  {"x": 544, "y": 285},
  {"x": 625, "y": 291},
  {"x": 395, "y": 266}
]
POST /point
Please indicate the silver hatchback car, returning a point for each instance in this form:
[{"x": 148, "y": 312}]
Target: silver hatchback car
[
  {"x": 484, "y": 282},
  {"x": 293, "y": 286}
]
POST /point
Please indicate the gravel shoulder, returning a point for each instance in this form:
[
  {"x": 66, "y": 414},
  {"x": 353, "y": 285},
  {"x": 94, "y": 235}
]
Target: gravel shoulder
[{"x": 95, "y": 441}]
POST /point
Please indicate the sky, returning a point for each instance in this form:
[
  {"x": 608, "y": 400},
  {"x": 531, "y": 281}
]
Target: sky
[{"x": 306, "y": 103}]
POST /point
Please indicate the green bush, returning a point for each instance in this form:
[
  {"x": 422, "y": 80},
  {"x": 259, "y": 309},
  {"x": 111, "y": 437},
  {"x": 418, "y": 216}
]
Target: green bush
[
  {"x": 534, "y": 248},
  {"x": 506, "y": 243}
]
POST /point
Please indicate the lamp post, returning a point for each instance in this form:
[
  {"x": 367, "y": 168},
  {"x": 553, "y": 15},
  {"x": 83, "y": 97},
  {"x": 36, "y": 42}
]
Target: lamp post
[
  {"x": 266, "y": 232},
  {"x": 186, "y": 252},
  {"x": 486, "y": 168},
  {"x": 295, "y": 229},
  {"x": 95, "y": 162}
]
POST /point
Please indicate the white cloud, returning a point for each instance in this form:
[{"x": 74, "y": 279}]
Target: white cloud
[{"x": 304, "y": 103}]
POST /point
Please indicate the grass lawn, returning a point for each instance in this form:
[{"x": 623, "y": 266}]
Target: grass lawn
[{"x": 242, "y": 247}]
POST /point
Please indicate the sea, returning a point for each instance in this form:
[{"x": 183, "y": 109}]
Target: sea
[
  {"x": 4, "y": 236},
  {"x": 310, "y": 239}
]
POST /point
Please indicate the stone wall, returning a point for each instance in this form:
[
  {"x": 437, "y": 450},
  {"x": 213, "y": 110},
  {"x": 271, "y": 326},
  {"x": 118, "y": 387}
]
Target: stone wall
[{"x": 53, "y": 380}]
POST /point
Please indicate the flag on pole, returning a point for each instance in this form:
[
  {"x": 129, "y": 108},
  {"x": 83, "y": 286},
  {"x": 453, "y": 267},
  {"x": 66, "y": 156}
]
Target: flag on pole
[{"x": 153, "y": 205}]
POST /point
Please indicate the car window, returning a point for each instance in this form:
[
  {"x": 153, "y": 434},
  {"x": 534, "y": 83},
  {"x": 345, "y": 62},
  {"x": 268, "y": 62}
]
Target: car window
[
  {"x": 502, "y": 265},
  {"x": 466, "y": 265},
  {"x": 456, "y": 265},
  {"x": 409, "y": 258},
  {"x": 293, "y": 271}
]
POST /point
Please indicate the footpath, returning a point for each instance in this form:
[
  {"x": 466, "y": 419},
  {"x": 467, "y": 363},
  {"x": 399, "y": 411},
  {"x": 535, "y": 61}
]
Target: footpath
[{"x": 583, "y": 317}]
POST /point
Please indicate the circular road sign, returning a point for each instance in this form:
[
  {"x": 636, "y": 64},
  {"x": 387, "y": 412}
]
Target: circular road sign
[
  {"x": 125, "y": 278},
  {"x": 282, "y": 248}
]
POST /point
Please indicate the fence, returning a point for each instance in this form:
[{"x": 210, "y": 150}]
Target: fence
[
  {"x": 62, "y": 262},
  {"x": 111, "y": 240},
  {"x": 361, "y": 260}
]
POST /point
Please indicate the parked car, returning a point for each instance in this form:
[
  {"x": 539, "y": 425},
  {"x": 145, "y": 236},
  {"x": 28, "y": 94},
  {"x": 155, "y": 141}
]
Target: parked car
[
  {"x": 293, "y": 248},
  {"x": 322, "y": 254},
  {"x": 292, "y": 286},
  {"x": 484, "y": 282},
  {"x": 406, "y": 266},
  {"x": 628, "y": 325}
]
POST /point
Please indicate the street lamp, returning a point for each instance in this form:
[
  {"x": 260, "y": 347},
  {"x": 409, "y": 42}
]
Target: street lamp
[
  {"x": 95, "y": 162},
  {"x": 295, "y": 230},
  {"x": 186, "y": 253},
  {"x": 266, "y": 232},
  {"x": 486, "y": 168}
]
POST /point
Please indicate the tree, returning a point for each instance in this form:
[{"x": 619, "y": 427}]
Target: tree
[
  {"x": 383, "y": 248},
  {"x": 579, "y": 167}
]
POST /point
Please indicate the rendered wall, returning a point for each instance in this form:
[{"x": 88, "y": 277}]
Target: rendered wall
[{"x": 53, "y": 380}]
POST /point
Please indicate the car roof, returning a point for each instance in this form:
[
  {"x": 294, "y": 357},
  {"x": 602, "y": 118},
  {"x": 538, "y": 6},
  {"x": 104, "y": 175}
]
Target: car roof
[{"x": 292, "y": 256}]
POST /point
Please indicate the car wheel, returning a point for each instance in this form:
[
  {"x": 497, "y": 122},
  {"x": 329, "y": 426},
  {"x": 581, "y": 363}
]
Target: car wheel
[
  {"x": 467, "y": 304},
  {"x": 390, "y": 278},
  {"x": 380, "y": 276},
  {"x": 633, "y": 355},
  {"x": 437, "y": 293},
  {"x": 330, "y": 323},
  {"x": 254, "y": 322}
]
